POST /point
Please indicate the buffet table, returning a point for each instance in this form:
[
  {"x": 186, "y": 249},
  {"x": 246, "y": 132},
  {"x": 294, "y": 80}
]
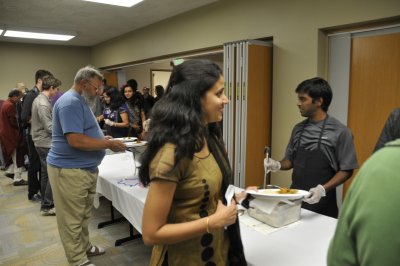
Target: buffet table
[
  {"x": 302, "y": 243},
  {"x": 118, "y": 182}
]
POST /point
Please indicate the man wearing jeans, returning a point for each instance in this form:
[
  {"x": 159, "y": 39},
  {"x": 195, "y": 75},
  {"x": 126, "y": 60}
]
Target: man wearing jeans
[
  {"x": 78, "y": 147},
  {"x": 41, "y": 128},
  {"x": 34, "y": 173}
]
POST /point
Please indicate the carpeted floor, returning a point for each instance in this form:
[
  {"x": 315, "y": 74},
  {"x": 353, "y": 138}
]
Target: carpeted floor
[{"x": 27, "y": 238}]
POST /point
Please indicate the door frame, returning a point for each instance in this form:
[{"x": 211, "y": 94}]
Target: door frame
[
  {"x": 152, "y": 85},
  {"x": 339, "y": 57}
]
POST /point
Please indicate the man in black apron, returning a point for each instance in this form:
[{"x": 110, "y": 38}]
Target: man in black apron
[{"x": 320, "y": 151}]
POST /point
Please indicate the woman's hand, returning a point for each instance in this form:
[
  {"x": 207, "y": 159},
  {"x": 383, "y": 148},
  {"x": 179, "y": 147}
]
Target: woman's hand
[
  {"x": 136, "y": 126},
  {"x": 242, "y": 195},
  {"x": 254, "y": 188},
  {"x": 146, "y": 125},
  {"x": 100, "y": 118},
  {"x": 143, "y": 136},
  {"x": 223, "y": 216}
]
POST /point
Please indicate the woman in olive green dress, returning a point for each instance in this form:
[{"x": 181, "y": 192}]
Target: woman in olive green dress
[{"x": 187, "y": 171}]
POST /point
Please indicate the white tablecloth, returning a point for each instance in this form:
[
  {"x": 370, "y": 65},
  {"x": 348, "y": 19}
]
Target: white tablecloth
[
  {"x": 302, "y": 243},
  {"x": 116, "y": 182},
  {"x": 305, "y": 242}
]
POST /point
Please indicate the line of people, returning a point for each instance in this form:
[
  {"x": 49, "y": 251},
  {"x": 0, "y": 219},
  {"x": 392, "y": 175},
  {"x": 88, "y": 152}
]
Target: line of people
[
  {"x": 25, "y": 129},
  {"x": 26, "y": 126},
  {"x": 65, "y": 145}
]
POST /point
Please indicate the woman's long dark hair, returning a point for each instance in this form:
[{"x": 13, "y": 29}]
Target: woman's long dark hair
[
  {"x": 178, "y": 117},
  {"x": 116, "y": 99}
]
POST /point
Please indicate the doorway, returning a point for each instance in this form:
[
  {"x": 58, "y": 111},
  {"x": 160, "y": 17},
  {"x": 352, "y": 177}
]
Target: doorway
[
  {"x": 364, "y": 71},
  {"x": 159, "y": 77}
]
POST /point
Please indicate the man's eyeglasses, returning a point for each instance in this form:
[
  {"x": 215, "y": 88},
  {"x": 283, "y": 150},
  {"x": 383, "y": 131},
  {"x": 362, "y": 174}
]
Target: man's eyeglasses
[{"x": 97, "y": 88}]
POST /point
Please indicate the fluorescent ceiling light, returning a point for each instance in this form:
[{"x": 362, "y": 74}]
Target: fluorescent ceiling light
[
  {"x": 36, "y": 35},
  {"x": 1, "y": 31},
  {"x": 125, "y": 3}
]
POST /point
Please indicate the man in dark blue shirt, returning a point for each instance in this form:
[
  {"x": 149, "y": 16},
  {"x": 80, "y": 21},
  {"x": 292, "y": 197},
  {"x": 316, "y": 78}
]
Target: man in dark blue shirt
[{"x": 34, "y": 160}]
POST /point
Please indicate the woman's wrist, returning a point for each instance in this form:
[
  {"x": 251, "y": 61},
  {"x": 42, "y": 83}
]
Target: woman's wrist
[{"x": 211, "y": 223}]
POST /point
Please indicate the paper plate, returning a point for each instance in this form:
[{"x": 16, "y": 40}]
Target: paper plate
[
  {"x": 273, "y": 194},
  {"x": 127, "y": 139},
  {"x": 135, "y": 144}
]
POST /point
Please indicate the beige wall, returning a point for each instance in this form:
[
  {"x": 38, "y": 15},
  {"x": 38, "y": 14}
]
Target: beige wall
[
  {"x": 141, "y": 73},
  {"x": 19, "y": 62},
  {"x": 294, "y": 26}
]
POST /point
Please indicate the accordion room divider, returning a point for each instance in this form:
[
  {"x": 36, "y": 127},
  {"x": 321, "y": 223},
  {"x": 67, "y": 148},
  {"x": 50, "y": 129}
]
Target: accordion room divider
[{"x": 247, "y": 118}]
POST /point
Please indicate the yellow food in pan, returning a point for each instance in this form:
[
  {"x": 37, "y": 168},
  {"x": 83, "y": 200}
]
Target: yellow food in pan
[{"x": 284, "y": 190}]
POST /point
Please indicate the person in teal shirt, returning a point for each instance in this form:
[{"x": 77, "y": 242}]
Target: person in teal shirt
[{"x": 367, "y": 232}]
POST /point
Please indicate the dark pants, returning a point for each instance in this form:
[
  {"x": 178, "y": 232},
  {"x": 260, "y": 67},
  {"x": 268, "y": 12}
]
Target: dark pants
[
  {"x": 47, "y": 194},
  {"x": 33, "y": 169}
]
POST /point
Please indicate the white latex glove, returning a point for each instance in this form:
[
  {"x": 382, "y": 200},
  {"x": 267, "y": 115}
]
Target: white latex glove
[
  {"x": 109, "y": 122},
  {"x": 270, "y": 165},
  {"x": 316, "y": 193},
  {"x": 146, "y": 125}
]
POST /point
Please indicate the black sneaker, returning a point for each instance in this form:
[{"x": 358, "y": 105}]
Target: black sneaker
[
  {"x": 48, "y": 212},
  {"x": 35, "y": 197},
  {"x": 21, "y": 183},
  {"x": 10, "y": 175}
]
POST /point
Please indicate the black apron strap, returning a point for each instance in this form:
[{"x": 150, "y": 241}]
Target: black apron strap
[
  {"x": 320, "y": 134},
  {"x": 301, "y": 133},
  {"x": 322, "y": 131}
]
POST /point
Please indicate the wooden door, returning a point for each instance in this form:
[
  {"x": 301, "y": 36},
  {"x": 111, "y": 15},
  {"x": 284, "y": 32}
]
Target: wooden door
[
  {"x": 259, "y": 112},
  {"x": 374, "y": 89},
  {"x": 112, "y": 78}
]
